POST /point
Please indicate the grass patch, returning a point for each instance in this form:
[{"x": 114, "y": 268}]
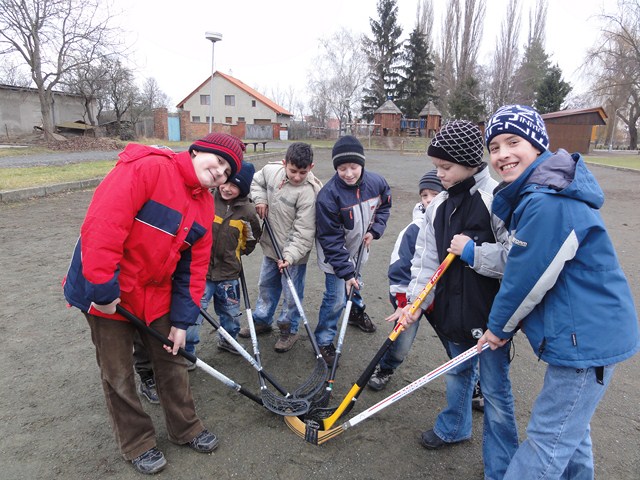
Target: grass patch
[
  {"x": 622, "y": 161},
  {"x": 20, "y": 151},
  {"x": 15, "y": 178}
]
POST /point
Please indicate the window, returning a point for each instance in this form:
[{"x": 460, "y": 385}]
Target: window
[
  {"x": 228, "y": 120},
  {"x": 209, "y": 118},
  {"x": 205, "y": 99},
  {"x": 241, "y": 119},
  {"x": 230, "y": 100},
  {"x": 253, "y": 103},
  {"x": 195, "y": 119}
]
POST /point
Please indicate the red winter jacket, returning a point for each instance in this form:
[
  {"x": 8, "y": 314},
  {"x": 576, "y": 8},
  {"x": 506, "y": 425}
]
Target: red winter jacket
[{"x": 146, "y": 238}]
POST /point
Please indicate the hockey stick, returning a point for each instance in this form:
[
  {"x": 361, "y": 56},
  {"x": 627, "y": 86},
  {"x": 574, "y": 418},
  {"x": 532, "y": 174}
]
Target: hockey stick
[
  {"x": 317, "y": 437},
  {"x": 312, "y": 385},
  {"x": 322, "y": 400},
  {"x": 326, "y": 418},
  {"x": 282, "y": 406},
  {"x": 139, "y": 324},
  {"x": 279, "y": 405}
]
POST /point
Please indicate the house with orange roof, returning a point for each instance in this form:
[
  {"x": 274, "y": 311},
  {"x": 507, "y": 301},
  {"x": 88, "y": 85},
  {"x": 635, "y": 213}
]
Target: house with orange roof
[{"x": 237, "y": 108}]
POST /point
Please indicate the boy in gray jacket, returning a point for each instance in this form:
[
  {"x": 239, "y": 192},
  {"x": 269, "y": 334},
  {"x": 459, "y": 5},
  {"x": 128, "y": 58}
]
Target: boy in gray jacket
[{"x": 286, "y": 193}]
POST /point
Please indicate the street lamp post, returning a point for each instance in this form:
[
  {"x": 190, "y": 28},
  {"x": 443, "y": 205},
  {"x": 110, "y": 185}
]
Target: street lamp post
[{"x": 213, "y": 37}]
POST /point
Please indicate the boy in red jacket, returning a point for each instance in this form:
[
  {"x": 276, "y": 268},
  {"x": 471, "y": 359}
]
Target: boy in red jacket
[{"x": 145, "y": 244}]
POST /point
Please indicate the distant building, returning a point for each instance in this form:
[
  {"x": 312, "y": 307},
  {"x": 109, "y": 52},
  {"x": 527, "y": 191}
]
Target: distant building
[
  {"x": 234, "y": 103},
  {"x": 387, "y": 118},
  {"x": 20, "y": 109}
]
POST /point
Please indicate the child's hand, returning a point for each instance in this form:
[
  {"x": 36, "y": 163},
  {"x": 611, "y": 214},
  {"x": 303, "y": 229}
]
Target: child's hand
[
  {"x": 351, "y": 282},
  {"x": 395, "y": 315},
  {"x": 457, "y": 244},
  {"x": 282, "y": 264},
  {"x": 178, "y": 337},
  {"x": 262, "y": 209},
  {"x": 368, "y": 238},
  {"x": 408, "y": 318}
]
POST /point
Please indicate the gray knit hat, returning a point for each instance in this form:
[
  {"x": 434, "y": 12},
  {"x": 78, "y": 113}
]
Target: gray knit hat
[
  {"x": 458, "y": 141},
  {"x": 431, "y": 181},
  {"x": 347, "y": 149}
]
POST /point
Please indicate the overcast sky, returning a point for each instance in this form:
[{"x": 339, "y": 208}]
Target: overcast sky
[{"x": 271, "y": 45}]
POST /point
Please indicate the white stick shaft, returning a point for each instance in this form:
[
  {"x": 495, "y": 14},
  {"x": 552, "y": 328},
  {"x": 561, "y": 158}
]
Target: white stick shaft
[{"x": 394, "y": 397}]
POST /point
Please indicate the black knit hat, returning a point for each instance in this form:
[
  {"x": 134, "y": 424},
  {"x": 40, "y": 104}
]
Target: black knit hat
[
  {"x": 431, "y": 181},
  {"x": 347, "y": 149},
  {"x": 458, "y": 141},
  {"x": 227, "y": 146},
  {"x": 243, "y": 178},
  {"x": 519, "y": 120}
]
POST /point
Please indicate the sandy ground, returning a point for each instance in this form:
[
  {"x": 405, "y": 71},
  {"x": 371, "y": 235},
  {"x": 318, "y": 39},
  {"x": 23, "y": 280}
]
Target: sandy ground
[{"x": 53, "y": 416}]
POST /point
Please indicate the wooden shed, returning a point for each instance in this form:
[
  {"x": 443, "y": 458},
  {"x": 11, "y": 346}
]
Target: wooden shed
[
  {"x": 572, "y": 129},
  {"x": 432, "y": 119},
  {"x": 387, "y": 118}
]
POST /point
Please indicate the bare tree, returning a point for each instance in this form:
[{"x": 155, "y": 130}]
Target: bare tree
[
  {"x": 53, "y": 37},
  {"x": 458, "y": 58},
  {"x": 614, "y": 64},
  {"x": 505, "y": 58},
  {"x": 120, "y": 94},
  {"x": 152, "y": 96},
  {"x": 12, "y": 74},
  {"x": 339, "y": 76}
]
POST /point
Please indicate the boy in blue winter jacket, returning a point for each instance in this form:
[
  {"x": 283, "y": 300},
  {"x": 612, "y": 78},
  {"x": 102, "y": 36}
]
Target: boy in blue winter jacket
[
  {"x": 563, "y": 285},
  {"x": 353, "y": 207}
]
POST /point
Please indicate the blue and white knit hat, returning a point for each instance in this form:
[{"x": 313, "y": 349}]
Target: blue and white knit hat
[{"x": 519, "y": 120}]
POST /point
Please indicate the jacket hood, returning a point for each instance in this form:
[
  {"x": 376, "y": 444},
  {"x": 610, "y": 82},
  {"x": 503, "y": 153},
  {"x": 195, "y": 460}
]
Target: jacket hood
[{"x": 554, "y": 173}]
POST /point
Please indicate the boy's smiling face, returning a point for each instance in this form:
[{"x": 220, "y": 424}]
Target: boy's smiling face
[
  {"x": 510, "y": 155},
  {"x": 211, "y": 169},
  {"x": 296, "y": 175},
  {"x": 349, "y": 172}
]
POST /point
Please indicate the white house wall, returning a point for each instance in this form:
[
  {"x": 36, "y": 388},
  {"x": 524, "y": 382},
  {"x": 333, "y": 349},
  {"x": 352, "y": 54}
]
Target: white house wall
[
  {"x": 20, "y": 110},
  {"x": 242, "y": 108}
]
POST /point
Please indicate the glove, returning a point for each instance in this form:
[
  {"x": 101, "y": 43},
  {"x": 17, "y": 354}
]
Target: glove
[{"x": 108, "y": 309}]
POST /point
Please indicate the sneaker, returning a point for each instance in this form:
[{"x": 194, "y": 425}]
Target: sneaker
[
  {"x": 477, "y": 401},
  {"x": 150, "y": 462},
  {"x": 431, "y": 441},
  {"x": 328, "y": 353},
  {"x": 261, "y": 328},
  {"x": 205, "y": 442},
  {"x": 359, "y": 319},
  {"x": 226, "y": 346},
  {"x": 380, "y": 378},
  {"x": 286, "y": 342},
  {"x": 191, "y": 366},
  {"x": 147, "y": 389}
]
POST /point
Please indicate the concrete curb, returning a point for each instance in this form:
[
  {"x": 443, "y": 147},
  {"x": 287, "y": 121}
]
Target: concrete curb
[{"x": 22, "y": 194}]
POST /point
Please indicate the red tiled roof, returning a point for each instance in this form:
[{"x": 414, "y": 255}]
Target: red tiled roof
[{"x": 243, "y": 86}]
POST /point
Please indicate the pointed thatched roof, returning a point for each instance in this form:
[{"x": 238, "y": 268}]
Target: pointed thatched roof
[
  {"x": 430, "y": 109},
  {"x": 388, "y": 107}
]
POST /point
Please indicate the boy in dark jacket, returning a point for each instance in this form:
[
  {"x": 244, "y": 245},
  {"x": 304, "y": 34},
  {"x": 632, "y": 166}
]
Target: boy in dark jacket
[
  {"x": 236, "y": 230},
  {"x": 353, "y": 207},
  {"x": 563, "y": 285},
  {"x": 145, "y": 243},
  {"x": 464, "y": 295}
]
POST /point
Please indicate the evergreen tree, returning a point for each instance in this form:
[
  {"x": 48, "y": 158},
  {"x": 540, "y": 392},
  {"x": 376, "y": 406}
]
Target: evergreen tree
[
  {"x": 532, "y": 71},
  {"x": 416, "y": 87},
  {"x": 383, "y": 56},
  {"x": 552, "y": 91},
  {"x": 465, "y": 102}
]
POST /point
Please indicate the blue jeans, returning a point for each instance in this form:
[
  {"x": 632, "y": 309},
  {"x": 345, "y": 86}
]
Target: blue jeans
[
  {"x": 500, "y": 433},
  {"x": 558, "y": 443},
  {"x": 226, "y": 303},
  {"x": 333, "y": 302},
  {"x": 271, "y": 285}
]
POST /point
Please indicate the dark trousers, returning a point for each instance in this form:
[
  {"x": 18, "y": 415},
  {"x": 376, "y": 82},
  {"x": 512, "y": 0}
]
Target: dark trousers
[{"x": 132, "y": 427}]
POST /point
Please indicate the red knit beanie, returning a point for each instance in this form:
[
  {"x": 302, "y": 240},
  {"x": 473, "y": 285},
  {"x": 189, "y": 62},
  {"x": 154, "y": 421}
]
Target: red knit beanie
[{"x": 227, "y": 146}]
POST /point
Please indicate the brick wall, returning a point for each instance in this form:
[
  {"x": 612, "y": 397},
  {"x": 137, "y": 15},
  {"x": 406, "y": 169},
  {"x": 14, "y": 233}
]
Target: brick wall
[{"x": 160, "y": 123}]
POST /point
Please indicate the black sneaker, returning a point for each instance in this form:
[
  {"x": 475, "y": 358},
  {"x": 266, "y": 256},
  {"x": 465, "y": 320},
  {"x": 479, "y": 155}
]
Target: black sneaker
[
  {"x": 380, "y": 378},
  {"x": 477, "y": 401},
  {"x": 359, "y": 319},
  {"x": 226, "y": 346},
  {"x": 328, "y": 353},
  {"x": 150, "y": 462},
  {"x": 205, "y": 442},
  {"x": 147, "y": 389},
  {"x": 431, "y": 441}
]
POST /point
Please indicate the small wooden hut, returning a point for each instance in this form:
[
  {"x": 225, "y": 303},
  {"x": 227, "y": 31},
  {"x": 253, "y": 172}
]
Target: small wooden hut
[
  {"x": 387, "y": 118},
  {"x": 432, "y": 119}
]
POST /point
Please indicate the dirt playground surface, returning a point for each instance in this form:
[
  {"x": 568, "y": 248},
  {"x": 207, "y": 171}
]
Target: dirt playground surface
[{"x": 53, "y": 415}]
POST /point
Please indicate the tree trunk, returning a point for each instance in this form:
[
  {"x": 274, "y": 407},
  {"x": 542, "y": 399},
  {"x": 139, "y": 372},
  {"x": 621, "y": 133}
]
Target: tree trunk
[{"x": 45, "y": 108}]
